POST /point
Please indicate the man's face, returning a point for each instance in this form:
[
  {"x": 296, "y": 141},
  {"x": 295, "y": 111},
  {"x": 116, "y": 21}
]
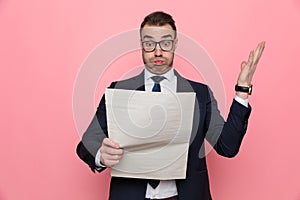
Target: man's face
[{"x": 160, "y": 60}]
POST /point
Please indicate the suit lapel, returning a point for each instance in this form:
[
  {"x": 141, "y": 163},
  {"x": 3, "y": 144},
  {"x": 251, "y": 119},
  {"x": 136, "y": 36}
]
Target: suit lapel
[
  {"x": 140, "y": 81},
  {"x": 183, "y": 85},
  {"x": 134, "y": 83}
]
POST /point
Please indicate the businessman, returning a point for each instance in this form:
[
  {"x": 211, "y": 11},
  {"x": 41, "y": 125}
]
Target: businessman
[{"x": 158, "y": 38}]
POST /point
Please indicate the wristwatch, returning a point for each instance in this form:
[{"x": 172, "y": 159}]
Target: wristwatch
[{"x": 244, "y": 89}]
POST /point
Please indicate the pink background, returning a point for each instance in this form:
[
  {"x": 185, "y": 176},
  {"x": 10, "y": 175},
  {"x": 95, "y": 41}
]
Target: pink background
[{"x": 44, "y": 43}]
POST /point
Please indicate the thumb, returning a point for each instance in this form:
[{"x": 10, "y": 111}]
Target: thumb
[{"x": 243, "y": 65}]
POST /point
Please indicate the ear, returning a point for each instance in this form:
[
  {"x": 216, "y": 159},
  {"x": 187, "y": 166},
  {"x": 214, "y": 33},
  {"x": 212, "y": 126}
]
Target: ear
[{"x": 175, "y": 43}]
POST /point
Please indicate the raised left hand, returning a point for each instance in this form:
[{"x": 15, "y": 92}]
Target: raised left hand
[{"x": 248, "y": 68}]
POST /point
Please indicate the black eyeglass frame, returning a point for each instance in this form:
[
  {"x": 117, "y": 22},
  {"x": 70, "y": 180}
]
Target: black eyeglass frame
[{"x": 160, "y": 46}]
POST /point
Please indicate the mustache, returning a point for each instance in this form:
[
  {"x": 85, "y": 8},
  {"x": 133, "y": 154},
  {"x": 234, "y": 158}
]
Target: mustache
[{"x": 158, "y": 58}]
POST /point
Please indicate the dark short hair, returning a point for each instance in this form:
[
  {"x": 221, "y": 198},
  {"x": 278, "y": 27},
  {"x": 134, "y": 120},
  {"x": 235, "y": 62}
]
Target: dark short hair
[{"x": 158, "y": 18}]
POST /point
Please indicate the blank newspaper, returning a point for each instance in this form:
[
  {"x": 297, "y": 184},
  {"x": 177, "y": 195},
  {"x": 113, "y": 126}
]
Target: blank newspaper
[{"x": 154, "y": 129}]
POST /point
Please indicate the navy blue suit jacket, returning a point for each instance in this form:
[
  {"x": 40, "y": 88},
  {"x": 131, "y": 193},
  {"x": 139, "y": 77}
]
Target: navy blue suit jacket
[{"x": 225, "y": 137}]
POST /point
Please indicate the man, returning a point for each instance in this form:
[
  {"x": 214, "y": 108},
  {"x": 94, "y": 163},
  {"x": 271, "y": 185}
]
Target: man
[{"x": 158, "y": 41}]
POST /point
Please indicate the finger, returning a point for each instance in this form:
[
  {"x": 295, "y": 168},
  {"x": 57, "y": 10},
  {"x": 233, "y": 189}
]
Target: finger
[
  {"x": 262, "y": 44},
  {"x": 262, "y": 47},
  {"x": 112, "y": 151},
  {"x": 110, "y": 163},
  {"x": 243, "y": 65},
  {"x": 106, "y": 149},
  {"x": 250, "y": 59},
  {"x": 111, "y": 157},
  {"x": 110, "y": 160},
  {"x": 109, "y": 142},
  {"x": 258, "y": 52}
]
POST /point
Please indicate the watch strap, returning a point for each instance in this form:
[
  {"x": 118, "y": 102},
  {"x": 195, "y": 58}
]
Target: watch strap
[{"x": 244, "y": 89}]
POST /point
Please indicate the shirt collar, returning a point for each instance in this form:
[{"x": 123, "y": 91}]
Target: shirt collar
[{"x": 169, "y": 75}]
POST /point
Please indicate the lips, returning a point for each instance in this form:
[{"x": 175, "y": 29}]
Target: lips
[{"x": 158, "y": 62}]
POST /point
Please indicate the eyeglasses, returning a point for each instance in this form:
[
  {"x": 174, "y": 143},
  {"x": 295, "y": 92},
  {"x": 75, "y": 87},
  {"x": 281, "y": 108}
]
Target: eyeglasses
[{"x": 165, "y": 45}]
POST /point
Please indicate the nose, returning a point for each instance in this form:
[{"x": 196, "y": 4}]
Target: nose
[{"x": 157, "y": 50}]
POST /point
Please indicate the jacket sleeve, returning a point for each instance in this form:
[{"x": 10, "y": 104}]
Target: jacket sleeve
[
  {"x": 226, "y": 136},
  {"x": 92, "y": 138}
]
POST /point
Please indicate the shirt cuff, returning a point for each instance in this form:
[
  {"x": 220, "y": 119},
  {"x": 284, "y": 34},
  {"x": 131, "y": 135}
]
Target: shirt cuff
[
  {"x": 97, "y": 160},
  {"x": 244, "y": 102}
]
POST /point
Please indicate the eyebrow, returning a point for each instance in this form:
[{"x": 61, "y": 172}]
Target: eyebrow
[
  {"x": 147, "y": 36},
  {"x": 164, "y": 36}
]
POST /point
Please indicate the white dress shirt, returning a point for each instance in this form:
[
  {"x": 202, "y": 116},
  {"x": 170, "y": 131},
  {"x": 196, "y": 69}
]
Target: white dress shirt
[{"x": 166, "y": 188}]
